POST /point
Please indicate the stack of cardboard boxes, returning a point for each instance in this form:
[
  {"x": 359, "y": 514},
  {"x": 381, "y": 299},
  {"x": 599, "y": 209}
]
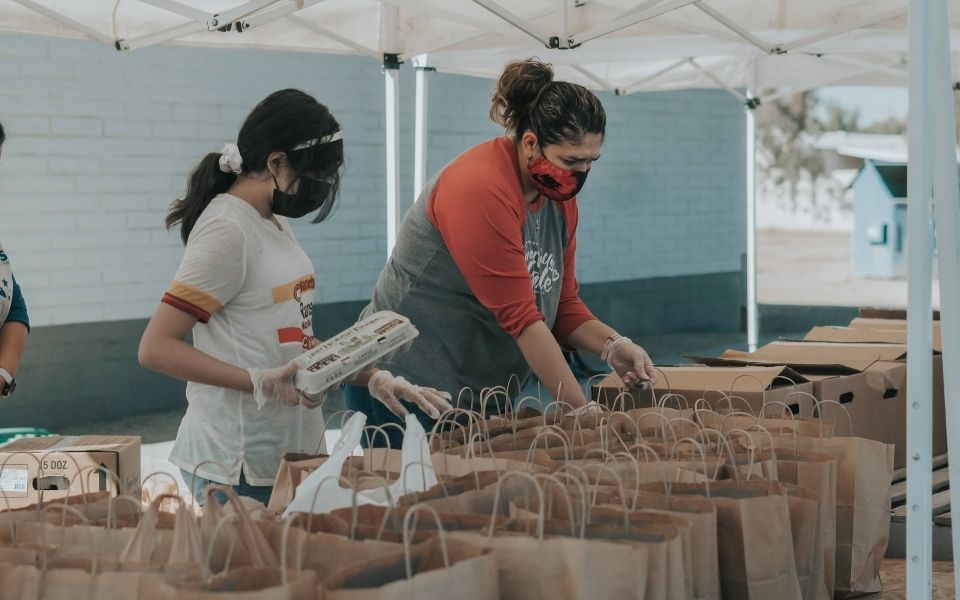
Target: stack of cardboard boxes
[{"x": 862, "y": 367}]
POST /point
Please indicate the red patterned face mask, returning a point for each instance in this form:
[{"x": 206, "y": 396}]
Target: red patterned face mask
[{"x": 555, "y": 182}]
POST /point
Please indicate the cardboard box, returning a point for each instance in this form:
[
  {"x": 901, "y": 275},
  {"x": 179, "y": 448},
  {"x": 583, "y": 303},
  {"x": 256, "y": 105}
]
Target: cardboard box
[
  {"x": 869, "y": 380},
  {"x": 756, "y": 385},
  {"x": 889, "y": 313},
  {"x": 59, "y": 466},
  {"x": 862, "y": 332}
]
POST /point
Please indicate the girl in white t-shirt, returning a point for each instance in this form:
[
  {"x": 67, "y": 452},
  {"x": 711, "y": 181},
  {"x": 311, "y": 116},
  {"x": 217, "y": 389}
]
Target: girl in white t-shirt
[{"x": 245, "y": 291}]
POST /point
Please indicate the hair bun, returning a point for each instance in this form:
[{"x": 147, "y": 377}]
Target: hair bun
[{"x": 517, "y": 90}]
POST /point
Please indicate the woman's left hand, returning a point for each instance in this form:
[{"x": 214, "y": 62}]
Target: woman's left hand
[{"x": 631, "y": 362}]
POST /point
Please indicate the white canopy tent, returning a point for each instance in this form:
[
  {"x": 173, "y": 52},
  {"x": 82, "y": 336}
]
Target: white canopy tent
[{"x": 628, "y": 46}]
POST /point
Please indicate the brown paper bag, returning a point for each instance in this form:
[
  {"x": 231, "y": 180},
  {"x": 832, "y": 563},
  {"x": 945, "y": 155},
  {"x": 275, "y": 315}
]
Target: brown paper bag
[
  {"x": 564, "y": 568},
  {"x": 439, "y": 569},
  {"x": 322, "y": 553},
  {"x": 754, "y": 538},
  {"x": 247, "y": 583},
  {"x": 229, "y": 532},
  {"x": 864, "y": 471},
  {"x": 816, "y": 472},
  {"x": 294, "y": 468},
  {"x": 805, "y": 522},
  {"x": 32, "y": 583},
  {"x": 702, "y": 515},
  {"x": 667, "y": 577}
]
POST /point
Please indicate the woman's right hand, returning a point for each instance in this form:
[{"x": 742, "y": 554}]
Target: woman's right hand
[
  {"x": 276, "y": 385},
  {"x": 390, "y": 389}
]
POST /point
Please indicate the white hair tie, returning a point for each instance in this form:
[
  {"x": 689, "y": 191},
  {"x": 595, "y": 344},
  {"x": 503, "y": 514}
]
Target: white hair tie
[{"x": 230, "y": 159}]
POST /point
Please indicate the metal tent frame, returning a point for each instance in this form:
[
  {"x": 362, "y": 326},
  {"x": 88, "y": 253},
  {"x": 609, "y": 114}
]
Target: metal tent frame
[{"x": 841, "y": 37}]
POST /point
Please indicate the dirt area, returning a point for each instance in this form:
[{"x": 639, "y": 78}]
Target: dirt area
[
  {"x": 893, "y": 574},
  {"x": 816, "y": 268}
]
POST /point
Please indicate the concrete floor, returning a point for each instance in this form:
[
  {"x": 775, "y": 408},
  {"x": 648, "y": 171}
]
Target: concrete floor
[{"x": 816, "y": 269}]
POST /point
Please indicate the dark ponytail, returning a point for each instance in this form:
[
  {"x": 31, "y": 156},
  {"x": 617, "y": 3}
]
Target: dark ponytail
[
  {"x": 527, "y": 98},
  {"x": 282, "y": 121},
  {"x": 206, "y": 182}
]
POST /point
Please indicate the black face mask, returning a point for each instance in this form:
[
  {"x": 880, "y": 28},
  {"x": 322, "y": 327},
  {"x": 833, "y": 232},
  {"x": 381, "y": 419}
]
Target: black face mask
[{"x": 310, "y": 196}]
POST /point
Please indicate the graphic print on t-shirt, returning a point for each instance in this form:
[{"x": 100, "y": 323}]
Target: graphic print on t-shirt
[
  {"x": 542, "y": 265},
  {"x": 296, "y": 291}
]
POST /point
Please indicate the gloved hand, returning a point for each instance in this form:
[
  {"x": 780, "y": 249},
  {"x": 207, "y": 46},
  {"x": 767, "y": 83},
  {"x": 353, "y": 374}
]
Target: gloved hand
[
  {"x": 631, "y": 362},
  {"x": 389, "y": 390},
  {"x": 276, "y": 385},
  {"x": 584, "y": 410}
]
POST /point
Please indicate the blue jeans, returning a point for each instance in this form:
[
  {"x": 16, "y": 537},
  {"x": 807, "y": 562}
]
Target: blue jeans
[
  {"x": 197, "y": 485},
  {"x": 358, "y": 398}
]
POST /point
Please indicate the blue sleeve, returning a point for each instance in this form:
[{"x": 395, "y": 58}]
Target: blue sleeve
[{"x": 18, "y": 307}]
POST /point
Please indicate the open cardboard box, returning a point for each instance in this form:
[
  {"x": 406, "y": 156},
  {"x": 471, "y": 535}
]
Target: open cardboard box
[
  {"x": 757, "y": 385},
  {"x": 58, "y": 466},
  {"x": 889, "y": 313},
  {"x": 868, "y": 379},
  {"x": 859, "y": 331}
]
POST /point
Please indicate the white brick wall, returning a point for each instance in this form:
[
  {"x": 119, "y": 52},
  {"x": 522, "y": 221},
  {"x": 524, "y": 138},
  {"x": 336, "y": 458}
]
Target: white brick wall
[{"x": 99, "y": 143}]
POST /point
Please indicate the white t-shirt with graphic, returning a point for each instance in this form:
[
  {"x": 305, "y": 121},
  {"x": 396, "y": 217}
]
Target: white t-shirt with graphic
[{"x": 251, "y": 287}]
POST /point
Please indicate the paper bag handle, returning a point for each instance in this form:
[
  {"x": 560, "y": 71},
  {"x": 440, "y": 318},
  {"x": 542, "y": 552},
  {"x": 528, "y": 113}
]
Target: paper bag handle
[
  {"x": 816, "y": 409},
  {"x": 703, "y": 461},
  {"x": 413, "y": 510},
  {"x": 343, "y": 414},
  {"x": 496, "y": 500},
  {"x": 547, "y": 477}
]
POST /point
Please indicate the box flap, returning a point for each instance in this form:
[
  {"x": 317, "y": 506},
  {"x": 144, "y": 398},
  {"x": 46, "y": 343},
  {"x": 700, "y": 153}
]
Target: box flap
[
  {"x": 742, "y": 378},
  {"x": 889, "y": 313},
  {"x": 806, "y": 369},
  {"x": 59, "y": 443},
  {"x": 881, "y": 324},
  {"x": 863, "y": 334},
  {"x": 815, "y": 357}
]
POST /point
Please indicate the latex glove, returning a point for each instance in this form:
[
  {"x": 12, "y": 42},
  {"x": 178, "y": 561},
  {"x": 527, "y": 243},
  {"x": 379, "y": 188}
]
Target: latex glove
[
  {"x": 586, "y": 409},
  {"x": 631, "y": 362},
  {"x": 276, "y": 385},
  {"x": 390, "y": 389}
]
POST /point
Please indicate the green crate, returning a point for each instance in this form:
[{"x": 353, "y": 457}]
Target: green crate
[{"x": 8, "y": 434}]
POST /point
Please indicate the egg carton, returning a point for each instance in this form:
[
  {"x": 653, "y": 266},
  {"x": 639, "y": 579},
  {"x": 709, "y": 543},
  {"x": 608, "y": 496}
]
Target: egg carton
[{"x": 341, "y": 357}]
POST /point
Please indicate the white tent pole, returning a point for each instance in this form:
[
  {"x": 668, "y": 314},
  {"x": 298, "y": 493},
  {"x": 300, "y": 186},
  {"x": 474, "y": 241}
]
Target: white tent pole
[
  {"x": 719, "y": 82},
  {"x": 638, "y": 85},
  {"x": 389, "y": 28},
  {"x": 629, "y": 19},
  {"x": 885, "y": 68},
  {"x": 946, "y": 205},
  {"x": 391, "y": 72},
  {"x": 180, "y": 9},
  {"x": 65, "y": 20},
  {"x": 278, "y": 11},
  {"x": 499, "y": 27},
  {"x": 327, "y": 33},
  {"x": 733, "y": 26},
  {"x": 160, "y": 37},
  {"x": 919, "y": 312},
  {"x": 831, "y": 33},
  {"x": 517, "y": 21},
  {"x": 751, "y": 159},
  {"x": 420, "y": 132},
  {"x": 825, "y": 81},
  {"x": 600, "y": 83}
]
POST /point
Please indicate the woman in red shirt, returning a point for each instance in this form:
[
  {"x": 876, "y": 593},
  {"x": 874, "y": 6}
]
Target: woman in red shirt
[{"x": 484, "y": 261}]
